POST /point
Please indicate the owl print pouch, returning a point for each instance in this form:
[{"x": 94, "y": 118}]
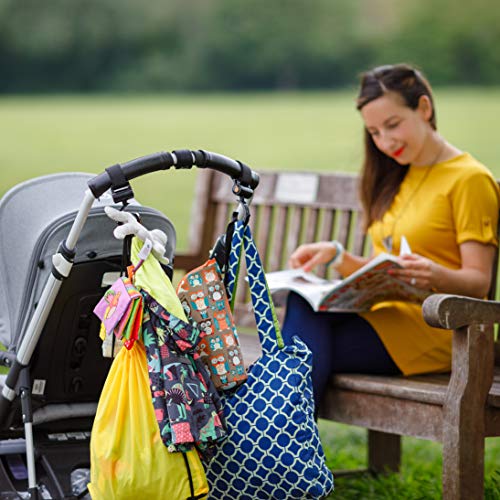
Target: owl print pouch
[{"x": 203, "y": 295}]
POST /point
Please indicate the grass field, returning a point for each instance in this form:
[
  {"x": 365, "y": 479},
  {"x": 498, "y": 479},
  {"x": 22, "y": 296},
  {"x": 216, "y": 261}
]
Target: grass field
[{"x": 313, "y": 131}]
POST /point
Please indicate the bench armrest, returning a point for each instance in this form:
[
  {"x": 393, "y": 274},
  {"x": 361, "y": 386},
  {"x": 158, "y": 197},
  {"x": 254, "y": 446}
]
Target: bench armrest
[{"x": 454, "y": 311}]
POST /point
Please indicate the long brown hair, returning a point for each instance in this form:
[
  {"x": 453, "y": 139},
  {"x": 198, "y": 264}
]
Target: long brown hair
[{"x": 381, "y": 176}]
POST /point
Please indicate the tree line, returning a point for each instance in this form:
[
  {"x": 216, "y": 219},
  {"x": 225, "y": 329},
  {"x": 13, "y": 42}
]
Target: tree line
[{"x": 219, "y": 45}]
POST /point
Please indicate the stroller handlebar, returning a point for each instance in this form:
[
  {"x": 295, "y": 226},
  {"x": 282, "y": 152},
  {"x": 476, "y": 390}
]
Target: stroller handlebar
[{"x": 183, "y": 158}]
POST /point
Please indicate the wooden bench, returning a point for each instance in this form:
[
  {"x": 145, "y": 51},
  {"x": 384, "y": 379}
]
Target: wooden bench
[{"x": 459, "y": 410}]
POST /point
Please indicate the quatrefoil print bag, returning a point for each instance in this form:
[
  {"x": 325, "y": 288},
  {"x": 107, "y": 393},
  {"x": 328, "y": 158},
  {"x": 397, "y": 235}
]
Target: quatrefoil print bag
[
  {"x": 203, "y": 295},
  {"x": 273, "y": 449}
]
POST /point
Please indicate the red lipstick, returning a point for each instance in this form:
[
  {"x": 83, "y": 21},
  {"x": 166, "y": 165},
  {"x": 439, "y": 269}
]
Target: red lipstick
[{"x": 398, "y": 151}]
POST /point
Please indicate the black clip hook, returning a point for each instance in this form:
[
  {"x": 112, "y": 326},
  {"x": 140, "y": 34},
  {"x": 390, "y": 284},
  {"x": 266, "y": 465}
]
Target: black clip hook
[
  {"x": 242, "y": 212},
  {"x": 245, "y": 217}
]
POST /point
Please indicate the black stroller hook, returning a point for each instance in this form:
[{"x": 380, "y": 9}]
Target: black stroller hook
[
  {"x": 243, "y": 207},
  {"x": 121, "y": 190}
]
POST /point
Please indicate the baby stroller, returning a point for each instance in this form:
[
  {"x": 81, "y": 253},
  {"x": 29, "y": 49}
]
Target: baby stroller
[{"x": 49, "y": 289}]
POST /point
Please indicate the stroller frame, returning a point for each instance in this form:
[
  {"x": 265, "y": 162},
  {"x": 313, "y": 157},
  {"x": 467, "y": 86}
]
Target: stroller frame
[{"x": 117, "y": 179}]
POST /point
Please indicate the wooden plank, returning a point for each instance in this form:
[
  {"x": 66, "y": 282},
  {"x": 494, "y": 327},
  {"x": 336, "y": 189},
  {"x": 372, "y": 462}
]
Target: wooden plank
[
  {"x": 339, "y": 191},
  {"x": 359, "y": 237},
  {"x": 295, "y": 230},
  {"x": 492, "y": 422},
  {"x": 416, "y": 389},
  {"x": 220, "y": 220},
  {"x": 222, "y": 190},
  {"x": 327, "y": 225},
  {"x": 278, "y": 238},
  {"x": 264, "y": 194},
  {"x": 296, "y": 188},
  {"x": 381, "y": 413},
  {"x": 326, "y": 234},
  {"x": 345, "y": 219},
  {"x": 453, "y": 311},
  {"x": 312, "y": 226},
  {"x": 250, "y": 347},
  {"x": 263, "y": 239},
  {"x": 463, "y": 413},
  {"x": 384, "y": 452},
  {"x": 254, "y": 218}
]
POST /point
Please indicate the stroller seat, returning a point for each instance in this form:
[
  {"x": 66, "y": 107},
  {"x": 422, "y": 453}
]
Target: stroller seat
[{"x": 67, "y": 370}]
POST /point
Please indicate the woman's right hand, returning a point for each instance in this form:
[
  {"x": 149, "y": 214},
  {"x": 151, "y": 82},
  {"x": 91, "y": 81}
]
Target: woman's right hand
[{"x": 310, "y": 255}]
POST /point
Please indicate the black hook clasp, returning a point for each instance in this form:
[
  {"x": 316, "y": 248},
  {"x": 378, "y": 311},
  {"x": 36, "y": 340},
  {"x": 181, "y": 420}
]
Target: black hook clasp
[
  {"x": 121, "y": 190},
  {"x": 242, "y": 212},
  {"x": 245, "y": 217}
]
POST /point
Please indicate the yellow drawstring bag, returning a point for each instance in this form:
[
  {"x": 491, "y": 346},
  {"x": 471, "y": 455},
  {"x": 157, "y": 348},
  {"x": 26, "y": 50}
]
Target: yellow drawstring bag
[{"x": 128, "y": 457}]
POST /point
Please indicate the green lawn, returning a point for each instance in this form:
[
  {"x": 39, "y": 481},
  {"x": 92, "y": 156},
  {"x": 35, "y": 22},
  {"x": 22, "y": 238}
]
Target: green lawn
[
  {"x": 306, "y": 131},
  {"x": 420, "y": 478}
]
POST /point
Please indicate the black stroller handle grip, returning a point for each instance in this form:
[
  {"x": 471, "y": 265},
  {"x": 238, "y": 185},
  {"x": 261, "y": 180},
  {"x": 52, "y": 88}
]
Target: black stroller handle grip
[
  {"x": 132, "y": 169},
  {"x": 179, "y": 159},
  {"x": 237, "y": 170}
]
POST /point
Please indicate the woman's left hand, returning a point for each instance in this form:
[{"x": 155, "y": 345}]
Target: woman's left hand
[{"x": 417, "y": 271}]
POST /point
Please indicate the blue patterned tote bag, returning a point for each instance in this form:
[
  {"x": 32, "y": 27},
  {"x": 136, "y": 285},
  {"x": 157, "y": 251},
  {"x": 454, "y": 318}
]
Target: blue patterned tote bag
[{"x": 273, "y": 450}]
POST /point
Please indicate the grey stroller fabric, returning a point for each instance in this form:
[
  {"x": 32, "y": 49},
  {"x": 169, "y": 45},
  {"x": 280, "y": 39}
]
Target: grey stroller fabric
[{"x": 35, "y": 217}]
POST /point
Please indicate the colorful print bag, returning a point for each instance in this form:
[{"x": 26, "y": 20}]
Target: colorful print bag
[
  {"x": 273, "y": 448},
  {"x": 120, "y": 311},
  {"x": 203, "y": 296},
  {"x": 187, "y": 406}
]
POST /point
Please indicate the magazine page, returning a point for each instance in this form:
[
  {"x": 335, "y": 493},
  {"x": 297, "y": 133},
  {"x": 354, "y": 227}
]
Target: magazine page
[
  {"x": 369, "y": 285},
  {"x": 308, "y": 285},
  {"x": 358, "y": 292}
]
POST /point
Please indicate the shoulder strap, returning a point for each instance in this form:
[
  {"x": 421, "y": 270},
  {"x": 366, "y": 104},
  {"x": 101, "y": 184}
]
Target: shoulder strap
[
  {"x": 265, "y": 315},
  {"x": 233, "y": 269}
]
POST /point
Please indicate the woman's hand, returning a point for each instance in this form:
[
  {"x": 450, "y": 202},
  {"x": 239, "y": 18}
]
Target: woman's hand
[
  {"x": 472, "y": 279},
  {"x": 310, "y": 255},
  {"x": 417, "y": 271}
]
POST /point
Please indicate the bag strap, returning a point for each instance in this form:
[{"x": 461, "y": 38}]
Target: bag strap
[
  {"x": 233, "y": 268},
  {"x": 265, "y": 316}
]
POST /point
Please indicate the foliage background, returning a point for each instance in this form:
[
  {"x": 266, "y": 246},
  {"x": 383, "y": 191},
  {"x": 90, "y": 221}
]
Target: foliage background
[{"x": 193, "y": 45}]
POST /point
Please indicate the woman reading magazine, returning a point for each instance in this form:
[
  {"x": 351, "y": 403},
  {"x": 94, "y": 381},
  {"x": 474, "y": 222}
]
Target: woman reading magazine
[{"x": 414, "y": 184}]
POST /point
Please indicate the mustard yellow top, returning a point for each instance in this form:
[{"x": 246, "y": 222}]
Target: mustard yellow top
[{"x": 437, "y": 208}]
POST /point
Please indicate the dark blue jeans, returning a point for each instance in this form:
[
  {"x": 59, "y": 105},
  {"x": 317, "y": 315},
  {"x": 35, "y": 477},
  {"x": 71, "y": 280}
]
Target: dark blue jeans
[{"x": 340, "y": 343}]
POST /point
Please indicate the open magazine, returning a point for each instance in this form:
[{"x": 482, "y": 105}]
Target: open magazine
[{"x": 358, "y": 292}]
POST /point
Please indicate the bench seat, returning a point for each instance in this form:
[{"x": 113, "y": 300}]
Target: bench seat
[{"x": 429, "y": 389}]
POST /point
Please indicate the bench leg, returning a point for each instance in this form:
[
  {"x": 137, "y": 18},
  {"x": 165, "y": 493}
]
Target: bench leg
[
  {"x": 463, "y": 465},
  {"x": 464, "y": 413},
  {"x": 384, "y": 452}
]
